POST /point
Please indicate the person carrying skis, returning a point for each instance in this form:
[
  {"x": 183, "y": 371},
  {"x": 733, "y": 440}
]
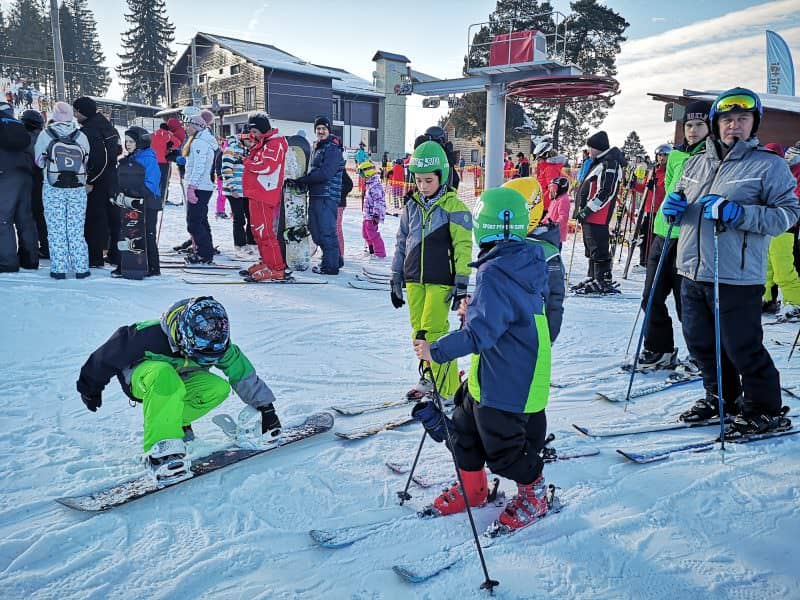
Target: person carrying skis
[
  {"x": 262, "y": 184},
  {"x": 200, "y": 152},
  {"x": 659, "y": 350},
  {"x": 653, "y": 198},
  {"x": 431, "y": 257},
  {"x": 499, "y": 417},
  {"x": 324, "y": 181},
  {"x": 596, "y": 197},
  {"x": 164, "y": 365},
  {"x": 733, "y": 197},
  {"x": 139, "y": 177},
  {"x": 374, "y": 210}
]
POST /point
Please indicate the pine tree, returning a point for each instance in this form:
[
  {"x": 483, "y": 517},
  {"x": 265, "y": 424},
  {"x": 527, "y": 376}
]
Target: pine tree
[
  {"x": 28, "y": 42},
  {"x": 593, "y": 43},
  {"x": 90, "y": 77},
  {"x": 3, "y": 46},
  {"x": 69, "y": 41},
  {"x": 633, "y": 149},
  {"x": 147, "y": 51}
]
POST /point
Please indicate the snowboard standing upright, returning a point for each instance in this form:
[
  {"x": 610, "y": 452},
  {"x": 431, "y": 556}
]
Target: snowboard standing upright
[
  {"x": 295, "y": 205},
  {"x": 132, "y": 244}
]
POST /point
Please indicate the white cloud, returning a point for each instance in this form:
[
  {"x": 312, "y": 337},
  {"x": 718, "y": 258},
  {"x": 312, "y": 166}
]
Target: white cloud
[
  {"x": 717, "y": 53},
  {"x": 254, "y": 21}
]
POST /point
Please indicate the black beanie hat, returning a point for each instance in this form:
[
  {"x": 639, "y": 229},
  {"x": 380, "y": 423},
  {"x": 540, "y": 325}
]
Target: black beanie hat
[
  {"x": 85, "y": 105},
  {"x": 322, "y": 121},
  {"x": 259, "y": 121},
  {"x": 697, "y": 111},
  {"x": 599, "y": 141},
  {"x": 140, "y": 136}
]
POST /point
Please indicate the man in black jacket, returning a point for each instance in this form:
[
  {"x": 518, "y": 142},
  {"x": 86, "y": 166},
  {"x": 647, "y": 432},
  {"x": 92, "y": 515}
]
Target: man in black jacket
[
  {"x": 34, "y": 124},
  {"x": 102, "y": 217},
  {"x": 16, "y": 180}
]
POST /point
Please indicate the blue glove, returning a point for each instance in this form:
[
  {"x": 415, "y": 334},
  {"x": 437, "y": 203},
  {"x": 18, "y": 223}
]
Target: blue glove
[
  {"x": 717, "y": 208},
  {"x": 674, "y": 206},
  {"x": 432, "y": 419},
  {"x": 181, "y": 160}
]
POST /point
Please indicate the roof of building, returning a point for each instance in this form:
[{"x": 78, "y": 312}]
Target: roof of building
[
  {"x": 789, "y": 104},
  {"x": 344, "y": 81},
  {"x": 271, "y": 57},
  {"x": 390, "y": 56}
]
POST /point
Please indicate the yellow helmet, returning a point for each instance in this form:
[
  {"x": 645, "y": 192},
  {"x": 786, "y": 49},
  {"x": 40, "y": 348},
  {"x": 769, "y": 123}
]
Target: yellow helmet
[
  {"x": 367, "y": 169},
  {"x": 532, "y": 192}
]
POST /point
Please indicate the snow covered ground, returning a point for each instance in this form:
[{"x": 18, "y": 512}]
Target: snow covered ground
[{"x": 698, "y": 525}]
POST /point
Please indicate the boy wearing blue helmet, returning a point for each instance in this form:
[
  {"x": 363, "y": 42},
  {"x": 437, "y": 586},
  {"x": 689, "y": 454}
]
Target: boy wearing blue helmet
[{"x": 164, "y": 364}]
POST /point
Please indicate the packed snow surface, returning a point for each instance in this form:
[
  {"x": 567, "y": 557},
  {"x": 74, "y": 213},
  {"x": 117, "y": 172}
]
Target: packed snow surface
[{"x": 698, "y": 525}]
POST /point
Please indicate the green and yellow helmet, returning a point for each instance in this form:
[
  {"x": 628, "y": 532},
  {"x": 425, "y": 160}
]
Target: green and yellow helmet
[
  {"x": 430, "y": 157},
  {"x": 501, "y": 214},
  {"x": 367, "y": 169}
]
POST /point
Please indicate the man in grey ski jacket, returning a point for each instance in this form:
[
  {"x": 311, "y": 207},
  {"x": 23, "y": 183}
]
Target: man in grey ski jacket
[{"x": 747, "y": 193}]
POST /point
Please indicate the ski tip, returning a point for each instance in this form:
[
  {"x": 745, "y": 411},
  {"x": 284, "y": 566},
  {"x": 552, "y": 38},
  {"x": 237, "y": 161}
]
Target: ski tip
[
  {"x": 601, "y": 396},
  {"x": 582, "y": 430},
  {"x": 77, "y": 504},
  {"x": 408, "y": 575},
  {"x": 641, "y": 459}
]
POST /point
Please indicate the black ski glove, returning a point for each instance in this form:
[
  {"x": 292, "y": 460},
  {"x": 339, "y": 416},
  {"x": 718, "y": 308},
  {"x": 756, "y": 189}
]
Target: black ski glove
[
  {"x": 459, "y": 291},
  {"x": 270, "y": 423},
  {"x": 397, "y": 291},
  {"x": 92, "y": 401}
]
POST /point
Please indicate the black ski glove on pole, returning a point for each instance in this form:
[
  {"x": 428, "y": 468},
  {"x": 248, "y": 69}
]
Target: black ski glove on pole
[{"x": 459, "y": 291}]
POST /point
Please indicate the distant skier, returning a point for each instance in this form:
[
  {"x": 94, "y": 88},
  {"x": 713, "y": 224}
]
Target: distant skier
[
  {"x": 164, "y": 364},
  {"x": 374, "y": 210},
  {"x": 500, "y": 411}
]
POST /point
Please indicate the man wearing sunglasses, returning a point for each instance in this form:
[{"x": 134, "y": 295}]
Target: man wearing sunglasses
[
  {"x": 746, "y": 193},
  {"x": 164, "y": 364}
]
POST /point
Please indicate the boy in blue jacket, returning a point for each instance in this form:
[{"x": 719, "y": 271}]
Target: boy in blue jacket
[
  {"x": 499, "y": 417},
  {"x": 140, "y": 177}
]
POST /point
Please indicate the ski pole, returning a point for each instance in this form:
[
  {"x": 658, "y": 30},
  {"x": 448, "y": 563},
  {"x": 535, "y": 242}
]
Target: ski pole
[
  {"x": 488, "y": 583},
  {"x": 404, "y": 495},
  {"x": 630, "y": 338},
  {"x": 797, "y": 337},
  {"x": 572, "y": 252},
  {"x": 718, "y": 336},
  {"x": 649, "y": 305}
]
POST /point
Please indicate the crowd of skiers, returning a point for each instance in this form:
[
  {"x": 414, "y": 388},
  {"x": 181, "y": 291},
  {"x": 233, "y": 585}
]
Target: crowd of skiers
[{"x": 724, "y": 198}]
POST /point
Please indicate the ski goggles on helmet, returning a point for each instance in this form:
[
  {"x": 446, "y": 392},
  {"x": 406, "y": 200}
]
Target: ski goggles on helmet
[{"x": 743, "y": 102}]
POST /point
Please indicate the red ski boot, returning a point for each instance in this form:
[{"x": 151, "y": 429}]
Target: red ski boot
[
  {"x": 528, "y": 506},
  {"x": 451, "y": 500}
]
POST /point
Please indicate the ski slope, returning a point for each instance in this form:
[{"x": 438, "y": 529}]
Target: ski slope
[{"x": 699, "y": 525}]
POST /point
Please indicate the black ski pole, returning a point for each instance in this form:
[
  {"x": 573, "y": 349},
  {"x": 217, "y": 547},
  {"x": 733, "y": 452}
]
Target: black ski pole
[
  {"x": 794, "y": 345},
  {"x": 647, "y": 312},
  {"x": 488, "y": 583},
  {"x": 718, "y": 336},
  {"x": 404, "y": 495}
]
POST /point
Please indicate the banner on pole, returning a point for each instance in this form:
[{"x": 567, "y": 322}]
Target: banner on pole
[{"x": 780, "y": 69}]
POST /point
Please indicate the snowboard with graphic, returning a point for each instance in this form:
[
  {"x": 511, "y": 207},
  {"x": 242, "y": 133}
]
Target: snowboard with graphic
[{"x": 295, "y": 205}]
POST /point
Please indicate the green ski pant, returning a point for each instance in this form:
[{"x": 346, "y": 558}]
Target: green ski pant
[
  {"x": 781, "y": 271},
  {"x": 429, "y": 309},
  {"x": 171, "y": 401}
]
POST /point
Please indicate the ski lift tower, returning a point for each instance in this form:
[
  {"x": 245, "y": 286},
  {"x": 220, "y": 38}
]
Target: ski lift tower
[{"x": 526, "y": 66}]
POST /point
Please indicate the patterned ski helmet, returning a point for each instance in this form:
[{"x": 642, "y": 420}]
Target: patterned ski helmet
[
  {"x": 663, "y": 149},
  {"x": 500, "y": 215},
  {"x": 532, "y": 192},
  {"x": 367, "y": 169},
  {"x": 199, "y": 328},
  {"x": 736, "y": 100},
  {"x": 562, "y": 185},
  {"x": 430, "y": 157}
]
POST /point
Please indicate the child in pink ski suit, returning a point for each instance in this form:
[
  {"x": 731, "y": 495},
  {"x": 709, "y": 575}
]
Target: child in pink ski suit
[
  {"x": 374, "y": 209},
  {"x": 559, "y": 205}
]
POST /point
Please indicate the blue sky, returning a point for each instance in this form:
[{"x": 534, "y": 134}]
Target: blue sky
[{"x": 672, "y": 45}]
